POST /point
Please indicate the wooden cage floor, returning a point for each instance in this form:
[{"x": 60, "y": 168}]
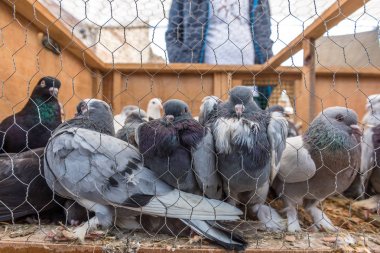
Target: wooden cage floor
[{"x": 365, "y": 232}]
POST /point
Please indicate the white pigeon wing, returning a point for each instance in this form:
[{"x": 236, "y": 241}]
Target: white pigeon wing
[{"x": 296, "y": 162}]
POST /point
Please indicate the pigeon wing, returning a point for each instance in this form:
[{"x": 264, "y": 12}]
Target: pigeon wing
[
  {"x": 277, "y": 133},
  {"x": 296, "y": 162},
  {"x": 205, "y": 167},
  {"x": 93, "y": 166}
]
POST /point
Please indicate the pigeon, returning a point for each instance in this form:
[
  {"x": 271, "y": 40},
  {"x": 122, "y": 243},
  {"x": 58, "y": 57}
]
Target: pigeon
[
  {"x": 371, "y": 121},
  {"x": 154, "y": 108},
  {"x": 292, "y": 129},
  {"x": 119, "y": 119},
  {"x": 24, "y": 192},
  {"x": 89, "y": 116},
  {"x": 180, "y": 151},
  {"x": 375, "y": 176},
  {"x": 153, "y": 112},
  {"x": 32, "y": 126},
  {"x": 322, "y": 162},
  {"x": 370, "y": 159},
  {"x": 208, "y": 109},
  {"x": 133, "y": 120},
  {"x": 249, "y": 142},
  {"x": 106, "y": 175}
]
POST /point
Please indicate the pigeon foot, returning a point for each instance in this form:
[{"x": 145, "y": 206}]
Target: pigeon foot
[
  {"x": 269, "y": 217},
  {"x": 321, "y": 221},
  {"x": 81, "y": 231}
]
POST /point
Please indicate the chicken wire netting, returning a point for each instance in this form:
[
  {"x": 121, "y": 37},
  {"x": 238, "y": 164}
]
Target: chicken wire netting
[{"x": 190, "y": 124}]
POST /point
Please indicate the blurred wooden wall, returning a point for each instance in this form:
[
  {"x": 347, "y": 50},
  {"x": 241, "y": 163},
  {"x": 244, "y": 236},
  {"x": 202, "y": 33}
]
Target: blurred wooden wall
[{"x": 23, "y": 61}]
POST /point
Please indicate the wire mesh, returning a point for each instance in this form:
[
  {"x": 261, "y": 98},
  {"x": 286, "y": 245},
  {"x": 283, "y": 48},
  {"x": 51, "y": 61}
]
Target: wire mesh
[{"x": 190, "y": 124}]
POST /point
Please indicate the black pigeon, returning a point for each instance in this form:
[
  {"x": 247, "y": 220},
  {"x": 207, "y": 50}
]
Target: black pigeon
[
  {"x": 24, "y": 192},
  {"x": 321, "y": 163},
  {"x": 32, "y": 126},
  {"x": 133, "y": 120},
  {"x": 180, "y": 151},
  {"x": 249, "y": 143},
  {"x": 106, "y": 175}
]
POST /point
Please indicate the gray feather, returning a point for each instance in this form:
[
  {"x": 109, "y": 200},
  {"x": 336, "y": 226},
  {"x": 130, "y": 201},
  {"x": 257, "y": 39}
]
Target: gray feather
[{"x": 205, "y": 167}]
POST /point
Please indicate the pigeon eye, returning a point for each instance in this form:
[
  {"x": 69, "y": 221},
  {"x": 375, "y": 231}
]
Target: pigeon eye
[
  {"x": 43, "y": 84},
  {"x": 339, "y": 117},
  {"x": 154, "y": 103}
]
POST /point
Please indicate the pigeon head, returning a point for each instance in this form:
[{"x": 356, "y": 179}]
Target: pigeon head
[
  {"x": 93, "y": 106},
  {"x": 209, "y": 103},
  {"x": 276, "y": 108},
  {"x": 155, "y": 102},
  {"x": 136, "y": 114},
  {"x": 154, "y": 108},
  {"x": 242, "y": 99},
  {"x": 47, "y": 87},
  {"x": 98, "y": 113},
  {"x": 340, "y": 118},
  {"x": 127, "y": 109},
  {"x": 175, "y": 110}
]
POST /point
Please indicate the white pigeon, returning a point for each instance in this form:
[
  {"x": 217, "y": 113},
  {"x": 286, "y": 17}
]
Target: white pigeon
[{"x": 154, "y": 108}]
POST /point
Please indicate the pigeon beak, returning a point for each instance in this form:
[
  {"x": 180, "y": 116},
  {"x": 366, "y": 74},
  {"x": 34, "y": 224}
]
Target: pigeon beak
[
  {"x": 53, "y": 91},
  {"x": 356, "y": 130},
  {"x": 169, "y": 118},
  {"x": 239, "y": 109}
]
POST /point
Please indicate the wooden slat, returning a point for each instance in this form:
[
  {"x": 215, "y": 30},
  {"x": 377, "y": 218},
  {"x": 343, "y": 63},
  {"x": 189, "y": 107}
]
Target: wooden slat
[
  {"x": 328, "y": 19},
  {"x": 179, "y": 68},
  {"x": 48, "y": 23},
  {"x": 309, "y": 76},
  {"x": 45, "y": 247}
]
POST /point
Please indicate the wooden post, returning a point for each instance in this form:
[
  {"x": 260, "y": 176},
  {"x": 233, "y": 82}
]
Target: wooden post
[
  {"x": 112, "y": 87},
  {"x": 221, "y": 84},
  {"x": 308, "y": 75}
]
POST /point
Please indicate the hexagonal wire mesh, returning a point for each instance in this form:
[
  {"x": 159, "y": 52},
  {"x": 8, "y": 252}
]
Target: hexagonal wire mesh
[{"x": 175, "y": 126}]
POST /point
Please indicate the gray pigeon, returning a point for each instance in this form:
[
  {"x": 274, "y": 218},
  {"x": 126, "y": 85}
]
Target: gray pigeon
[
  {"x": 371, "y": 121},
  {"x": 292, "y": 129},
  {"x": 106, "y": 175},
  {"x": 119, "y": 119},
  {"x": 375, "y": 176},
  {"x": 249, "y": 143},
  {"x": 372, "y": 174},
  {"x": 180, "y": 151},
  {"x": 133, "y": 120},
  {"x": 208, "y": 109},
  {"x": 321, "y": 163}
]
